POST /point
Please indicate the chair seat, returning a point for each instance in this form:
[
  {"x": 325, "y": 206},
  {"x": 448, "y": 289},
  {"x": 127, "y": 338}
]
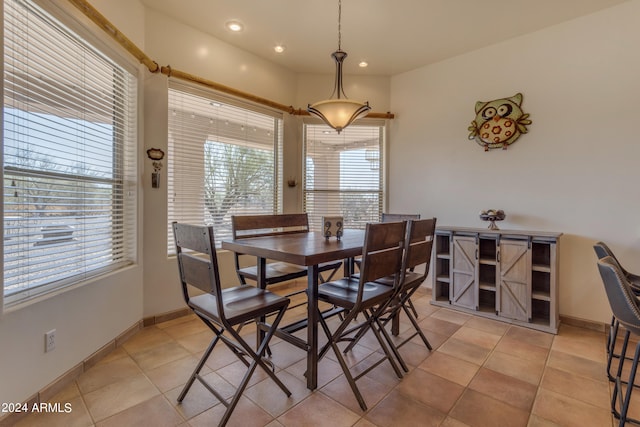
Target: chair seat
[
  {"x": 282, "y": 271},
  {"x": 410, "y": 278},
  {"x": 241, "y": 303},
  {"x": 344, "y": 293}
]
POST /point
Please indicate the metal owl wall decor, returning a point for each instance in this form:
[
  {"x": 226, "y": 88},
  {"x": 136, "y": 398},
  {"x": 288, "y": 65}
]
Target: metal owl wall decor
[{"x": 499, "y": 123}]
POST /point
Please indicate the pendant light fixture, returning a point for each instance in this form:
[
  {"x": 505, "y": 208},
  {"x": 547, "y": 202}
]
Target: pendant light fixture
[{"x": 339, "y": 112}]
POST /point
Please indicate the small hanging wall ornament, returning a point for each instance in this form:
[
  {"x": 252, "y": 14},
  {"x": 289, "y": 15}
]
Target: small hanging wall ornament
[
  {"x": 156, "y": 155},
  {"x": 499, "y": 123}
]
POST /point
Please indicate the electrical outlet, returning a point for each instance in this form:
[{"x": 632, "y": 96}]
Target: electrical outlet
[{"x": 49, "y": 340}]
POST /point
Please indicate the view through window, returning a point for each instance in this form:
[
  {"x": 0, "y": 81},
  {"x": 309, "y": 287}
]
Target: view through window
[
  {"x": 223, "y": 160},
  {"x": 344, "y": 173}
]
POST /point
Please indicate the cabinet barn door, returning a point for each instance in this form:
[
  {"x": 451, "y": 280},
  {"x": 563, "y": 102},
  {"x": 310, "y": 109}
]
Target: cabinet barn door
[
  {"x": 464, "y": 289},
  {"x": 514, "y": 289}
]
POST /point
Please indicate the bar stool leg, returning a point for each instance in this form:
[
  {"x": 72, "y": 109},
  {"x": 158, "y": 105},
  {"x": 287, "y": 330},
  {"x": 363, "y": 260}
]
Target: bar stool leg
[
  {"x": 611, "y": 344},
  {"x": 623, "y": 353},
  {"x": 632, "y": 376}
]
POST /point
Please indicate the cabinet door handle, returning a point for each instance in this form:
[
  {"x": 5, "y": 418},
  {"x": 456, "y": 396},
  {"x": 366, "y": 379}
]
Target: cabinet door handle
[
  {"x": 476, "y": 253},
  {"x": 498, "y": 256}
]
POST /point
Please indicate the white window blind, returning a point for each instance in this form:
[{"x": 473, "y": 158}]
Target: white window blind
[
  {"x": 69, "y": 156},
  {"x": 222, "y": 160},
  {"x": 344, "y": 174}
]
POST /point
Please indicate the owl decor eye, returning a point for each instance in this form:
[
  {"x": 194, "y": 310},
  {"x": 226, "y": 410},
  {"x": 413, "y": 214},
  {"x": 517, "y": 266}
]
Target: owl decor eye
[
  {"x": 504, "y": 110},
  {"x": 499, "y": 123},
  {"x": 488, "y": 113}
]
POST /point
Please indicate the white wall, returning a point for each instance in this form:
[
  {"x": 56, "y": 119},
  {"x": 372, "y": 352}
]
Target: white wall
[
  {"x": 579, "y": 82},
  {"x": 575, "y": 171},
  {"x": 169, "y": 42},
  {"x": 85, "y": 317},
  {"x": 126, "y": 15}
]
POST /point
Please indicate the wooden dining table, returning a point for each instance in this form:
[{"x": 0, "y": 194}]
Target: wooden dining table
[{"x": 309, "y": 249}]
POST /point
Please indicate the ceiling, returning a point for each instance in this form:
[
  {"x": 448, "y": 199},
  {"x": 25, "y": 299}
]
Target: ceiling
[{"x": 392, "y": 36}]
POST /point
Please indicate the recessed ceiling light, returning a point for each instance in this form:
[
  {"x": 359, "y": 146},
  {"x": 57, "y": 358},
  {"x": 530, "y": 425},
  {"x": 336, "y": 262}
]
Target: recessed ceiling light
[
  {"x": 279, "y": 48},
  {"x": 234, "y": 26},
  {"x": 363, "y": 64}
]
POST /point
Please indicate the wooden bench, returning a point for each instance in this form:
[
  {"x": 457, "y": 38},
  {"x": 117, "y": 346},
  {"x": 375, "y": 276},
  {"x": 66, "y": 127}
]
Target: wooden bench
[{"x": 247, "y": 226}]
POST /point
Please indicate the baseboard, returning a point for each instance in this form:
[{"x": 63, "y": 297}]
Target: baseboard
[
  {"x": 170, "y": 315},
  {"x": 585, "y": 324},
  {"x": 12, "y": 418}
]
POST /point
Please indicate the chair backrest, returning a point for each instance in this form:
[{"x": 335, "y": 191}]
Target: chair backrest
[
  {"x": 197, "y": 259},
  {"x": 394, "y": 217},
  {"x": 382, "y": 251},
  {"x": 245, "y": 226},
  {"x": 419, "y": 242},
  {"x": 602, "y": 250},
  {"x": 624, "y": 304}
]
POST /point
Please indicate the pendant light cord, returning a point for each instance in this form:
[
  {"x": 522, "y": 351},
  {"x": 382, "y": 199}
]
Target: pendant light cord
[{"x": 339, "y": 24}]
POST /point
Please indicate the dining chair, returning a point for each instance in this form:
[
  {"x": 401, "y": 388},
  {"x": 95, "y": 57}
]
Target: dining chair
[
  {"x": 602, "y": 250},
  {"x": 626, "y": 310},
  {"x": 223, "y": 310},
  {"x": 382, "y": 256},
  {"x": 392, "y": 217},
  {"x": 416, "y": 256},
  {"x": 247, "y": 226}
]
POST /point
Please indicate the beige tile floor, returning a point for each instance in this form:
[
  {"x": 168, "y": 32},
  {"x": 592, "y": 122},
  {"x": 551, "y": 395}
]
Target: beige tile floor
[{"x": 480, "y": 373}]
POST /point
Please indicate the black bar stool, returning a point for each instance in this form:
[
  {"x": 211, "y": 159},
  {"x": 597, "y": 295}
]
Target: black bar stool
[{"x": 626, "y": 311}]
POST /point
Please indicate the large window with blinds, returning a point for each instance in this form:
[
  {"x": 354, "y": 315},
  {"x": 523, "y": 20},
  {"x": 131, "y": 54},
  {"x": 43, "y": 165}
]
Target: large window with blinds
[
  {"x": 344, "y": 173},
  {"x": 69, "y": 156},
  {"x": 224, "y": 159}
]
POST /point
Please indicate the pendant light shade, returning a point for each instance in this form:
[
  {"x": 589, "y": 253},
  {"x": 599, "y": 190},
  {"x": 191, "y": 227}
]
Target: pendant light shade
[{"x": 339, "y": 112}]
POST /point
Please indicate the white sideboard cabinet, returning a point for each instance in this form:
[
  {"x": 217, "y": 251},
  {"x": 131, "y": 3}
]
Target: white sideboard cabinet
[{"x": 507, "y": 275}]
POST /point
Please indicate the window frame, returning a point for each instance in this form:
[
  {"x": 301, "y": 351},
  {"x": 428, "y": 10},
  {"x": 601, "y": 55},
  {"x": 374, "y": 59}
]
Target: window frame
[
  {"x": 213, "y": 97},
  {"x": 124, "y": 174}
]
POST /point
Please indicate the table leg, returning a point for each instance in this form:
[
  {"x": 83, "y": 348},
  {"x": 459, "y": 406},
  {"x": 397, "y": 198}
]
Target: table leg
[
  {"x": 395, "y": 323},
  {"x": 312, "y": 327},
  {"x": 348, "y": 267},
  {"x": 261, "y": 267}
]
